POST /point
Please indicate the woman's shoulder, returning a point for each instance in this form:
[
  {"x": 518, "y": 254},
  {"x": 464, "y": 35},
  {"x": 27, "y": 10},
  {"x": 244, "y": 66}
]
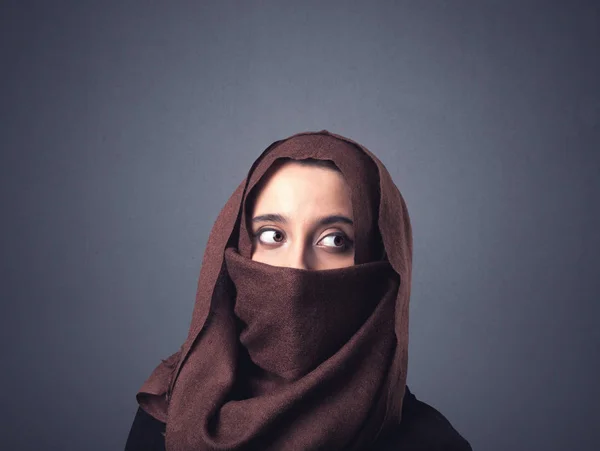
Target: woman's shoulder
[
  {"x": 146, "y": 434},
  {"x": 423, "y": 428}
]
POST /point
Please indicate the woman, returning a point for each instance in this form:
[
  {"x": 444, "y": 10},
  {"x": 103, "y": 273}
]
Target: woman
[{"x": 299, "y": 334}]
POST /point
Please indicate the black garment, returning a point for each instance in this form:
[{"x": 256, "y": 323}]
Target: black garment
[{"x": 422, "y": 428}]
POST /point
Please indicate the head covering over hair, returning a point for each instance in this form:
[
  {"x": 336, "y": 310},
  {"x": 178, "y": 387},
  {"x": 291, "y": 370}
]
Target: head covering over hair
[{"x": 282, "y": 358}]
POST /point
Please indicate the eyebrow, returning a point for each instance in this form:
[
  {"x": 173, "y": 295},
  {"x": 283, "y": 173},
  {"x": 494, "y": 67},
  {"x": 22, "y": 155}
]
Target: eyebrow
[{"x": 325, "y": 220}]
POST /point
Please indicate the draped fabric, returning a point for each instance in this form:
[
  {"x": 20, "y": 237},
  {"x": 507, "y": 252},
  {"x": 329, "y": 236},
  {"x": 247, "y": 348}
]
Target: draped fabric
[{"x": 282, "y": 358}]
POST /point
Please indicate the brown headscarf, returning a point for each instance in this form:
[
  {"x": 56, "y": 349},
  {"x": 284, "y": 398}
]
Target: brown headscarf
[{"x": 289, "y": 359}]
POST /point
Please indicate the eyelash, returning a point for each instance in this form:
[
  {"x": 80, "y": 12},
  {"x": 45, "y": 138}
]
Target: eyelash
[{"x": 347, "y": 245}]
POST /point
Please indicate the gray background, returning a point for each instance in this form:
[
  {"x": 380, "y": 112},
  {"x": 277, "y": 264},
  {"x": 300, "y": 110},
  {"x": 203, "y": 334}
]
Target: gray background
[{"x": 125, "y": 127}]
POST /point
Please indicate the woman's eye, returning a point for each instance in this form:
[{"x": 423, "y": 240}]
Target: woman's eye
[
  {"x": 335, "y": 241},
  {"x": 270, "y": 236}
]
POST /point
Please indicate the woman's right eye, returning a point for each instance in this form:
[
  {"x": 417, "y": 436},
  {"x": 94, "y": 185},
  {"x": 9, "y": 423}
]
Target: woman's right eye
[{"x": 270, "y": 236}]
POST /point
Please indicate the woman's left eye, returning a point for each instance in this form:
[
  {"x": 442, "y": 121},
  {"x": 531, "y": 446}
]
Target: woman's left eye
[{"x": 336, "y": 241}]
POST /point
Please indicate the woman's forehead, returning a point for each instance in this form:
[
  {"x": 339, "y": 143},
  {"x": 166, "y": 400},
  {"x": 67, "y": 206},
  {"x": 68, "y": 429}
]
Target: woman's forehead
[{"x": 294, "y": 188}]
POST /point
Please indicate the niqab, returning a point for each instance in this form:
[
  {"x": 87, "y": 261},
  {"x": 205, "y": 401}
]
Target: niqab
[{"x": 283, "y": 358}]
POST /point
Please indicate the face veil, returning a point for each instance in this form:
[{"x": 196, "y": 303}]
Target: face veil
[{"x": 283, "y": 358}]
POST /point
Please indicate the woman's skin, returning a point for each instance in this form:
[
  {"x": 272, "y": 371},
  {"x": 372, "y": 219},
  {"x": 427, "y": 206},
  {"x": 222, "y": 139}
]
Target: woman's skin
[{"x": 302, "y": 218}]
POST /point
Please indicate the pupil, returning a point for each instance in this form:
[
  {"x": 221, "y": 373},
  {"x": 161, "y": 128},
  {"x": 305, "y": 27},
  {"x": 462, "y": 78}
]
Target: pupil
[
  {"x": 277, "y": 236},
  {"x": 337, "y": 240}
]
